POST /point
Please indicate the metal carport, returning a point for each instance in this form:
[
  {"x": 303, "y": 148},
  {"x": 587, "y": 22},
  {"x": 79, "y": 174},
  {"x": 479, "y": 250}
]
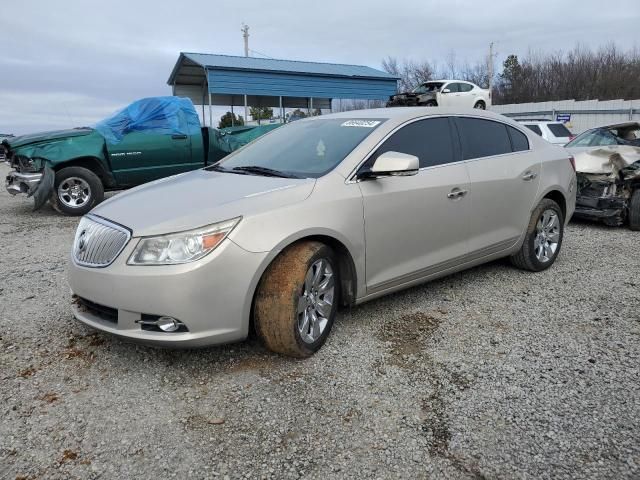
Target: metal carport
[{"x": 226, "y": 80}]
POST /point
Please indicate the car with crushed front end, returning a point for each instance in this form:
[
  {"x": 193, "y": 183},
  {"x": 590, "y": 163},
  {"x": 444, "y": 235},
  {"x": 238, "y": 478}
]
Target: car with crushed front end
[
  {"x": 444, "y": 93},
  {"x": 323, "y": 212},
  {"x": 149, "y": 139},
  {"x": 607, "y": 160}
]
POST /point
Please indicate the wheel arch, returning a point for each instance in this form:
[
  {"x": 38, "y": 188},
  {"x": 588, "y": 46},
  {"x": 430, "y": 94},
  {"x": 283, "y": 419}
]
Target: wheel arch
[
  {"x": 90, "y": 163},
  {"x": 558, "y": 197}
]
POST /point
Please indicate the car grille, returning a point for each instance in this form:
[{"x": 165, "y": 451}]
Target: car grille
[{"x": 98, "y": 242}]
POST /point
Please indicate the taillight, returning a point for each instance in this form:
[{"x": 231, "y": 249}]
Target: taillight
[{"x": 573, "y": 162}]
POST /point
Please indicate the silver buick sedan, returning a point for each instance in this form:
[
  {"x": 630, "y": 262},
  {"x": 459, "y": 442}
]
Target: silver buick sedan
[{"x": 329, "y": 211}]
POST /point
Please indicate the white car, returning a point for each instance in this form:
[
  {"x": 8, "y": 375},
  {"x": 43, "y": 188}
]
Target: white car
[
  {"x": 444, "y": 93},
  {"x": 553, "y": 132}
]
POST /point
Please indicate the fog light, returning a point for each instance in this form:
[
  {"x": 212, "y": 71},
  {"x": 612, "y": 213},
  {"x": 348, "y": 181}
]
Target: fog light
[
  {"x": 168, "y": 324},
  {"x": 154, "y": 323}
]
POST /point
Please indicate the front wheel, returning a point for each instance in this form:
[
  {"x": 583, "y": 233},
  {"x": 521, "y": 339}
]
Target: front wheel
[
  {"x": 543, "y": 238},
  {"x": 297, "y": 299},
  {"x": 76, "y": 190}
]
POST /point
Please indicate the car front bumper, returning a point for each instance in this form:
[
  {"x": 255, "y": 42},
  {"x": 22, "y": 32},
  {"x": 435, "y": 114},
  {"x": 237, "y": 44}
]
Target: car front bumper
[
  {"x": 26, "y": 183},
  {"x": 611, "y": 210},
  {"x": 211, "y": 297}
]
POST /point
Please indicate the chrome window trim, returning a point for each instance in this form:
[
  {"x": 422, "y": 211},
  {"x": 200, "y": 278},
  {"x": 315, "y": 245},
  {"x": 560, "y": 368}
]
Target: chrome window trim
[
  {"x": 106, "y": 223},
  {"x": 352, "y": 178}
]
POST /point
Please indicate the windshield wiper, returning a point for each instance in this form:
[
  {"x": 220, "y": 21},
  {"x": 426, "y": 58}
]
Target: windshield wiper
[
  {"x": 267, "y": 172},
  {"x": 218, "y": 168}
]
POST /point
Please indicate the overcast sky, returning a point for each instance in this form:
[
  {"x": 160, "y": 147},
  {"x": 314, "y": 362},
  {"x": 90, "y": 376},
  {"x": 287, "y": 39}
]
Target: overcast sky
[{"x": 69, "y": 63}]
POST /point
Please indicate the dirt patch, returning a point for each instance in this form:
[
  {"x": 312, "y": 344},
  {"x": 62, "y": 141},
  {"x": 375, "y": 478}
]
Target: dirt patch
[{"x": 407, "y": 335}]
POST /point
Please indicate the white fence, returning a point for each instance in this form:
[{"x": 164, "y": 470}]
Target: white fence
[{"x": 583, "y": 115}]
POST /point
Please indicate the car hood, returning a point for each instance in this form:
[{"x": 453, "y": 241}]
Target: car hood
[
  {"x": 194, "y": 199},
  {"x": 607, "y": 160},
  {"x": 23, "y": 140}
]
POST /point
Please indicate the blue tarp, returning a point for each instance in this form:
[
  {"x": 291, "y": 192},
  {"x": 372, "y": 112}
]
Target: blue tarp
[{"x": 156, "y": 115}]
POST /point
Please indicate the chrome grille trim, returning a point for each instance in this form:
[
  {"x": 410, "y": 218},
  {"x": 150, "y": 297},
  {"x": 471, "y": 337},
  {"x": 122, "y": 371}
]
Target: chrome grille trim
[{"x": 98, "y": 242}]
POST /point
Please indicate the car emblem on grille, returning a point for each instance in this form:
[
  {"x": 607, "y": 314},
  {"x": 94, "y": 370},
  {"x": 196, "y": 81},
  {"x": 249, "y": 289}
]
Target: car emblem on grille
[{"x": 82, "y": 241}]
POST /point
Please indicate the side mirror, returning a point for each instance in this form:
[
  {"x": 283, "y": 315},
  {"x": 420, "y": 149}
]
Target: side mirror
[
  {"x": 392, "y": 164},
  {"x": 445, "y": 90}
]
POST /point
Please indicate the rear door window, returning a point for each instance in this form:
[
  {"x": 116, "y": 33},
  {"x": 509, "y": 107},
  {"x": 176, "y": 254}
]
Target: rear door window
[
  {"x": 519, "y": 141},
  {"x": 559, "y": 130},
  {"x": 482, "y": 138},
  {"x": 534, "y": 128},
  {"x": 453, "y": 87},
  {"x": 430, "y": 140},
  {"x": 465, "y": 87}
]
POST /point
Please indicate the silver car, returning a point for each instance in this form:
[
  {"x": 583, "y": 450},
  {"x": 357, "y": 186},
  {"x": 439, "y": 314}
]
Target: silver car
[{"x": 328, "y": 211}]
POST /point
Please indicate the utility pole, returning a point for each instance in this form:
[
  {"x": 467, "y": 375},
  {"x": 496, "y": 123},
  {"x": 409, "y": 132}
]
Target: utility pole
[
  {"x": 245, "y": 35},
  {"x": 490, "y": 66},
  {"x": 492, "y": 55}
]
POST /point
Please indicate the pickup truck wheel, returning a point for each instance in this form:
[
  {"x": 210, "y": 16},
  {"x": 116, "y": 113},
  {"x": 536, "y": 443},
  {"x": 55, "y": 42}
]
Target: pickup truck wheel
[
  {"x": 480, "y": 105},
  {"x": 297, "y": 299},
  {"x": 634, "y": 210},
  {"x": 543, "y": 238},
  {"x": 76, "y": 190}
]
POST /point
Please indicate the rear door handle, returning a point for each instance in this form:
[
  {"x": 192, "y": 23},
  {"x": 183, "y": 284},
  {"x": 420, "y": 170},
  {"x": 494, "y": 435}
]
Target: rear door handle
[
  {"x": 529, "y": 176},
  {"x": 456, "y": 193},
  {"x": 179, "y": 137}
]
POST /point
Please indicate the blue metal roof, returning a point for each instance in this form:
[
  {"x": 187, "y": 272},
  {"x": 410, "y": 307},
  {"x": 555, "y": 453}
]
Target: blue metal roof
[
  {"x": 211, "y": 61},
  {"x": 267, "y": 80}
]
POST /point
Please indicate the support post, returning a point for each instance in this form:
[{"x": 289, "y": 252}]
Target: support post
[
  {"x": 210, "y": 112},
  {"x": 281, "y": 111},
  {"x": 233, "y": 124},
  {"x": 246, "y": 111}
]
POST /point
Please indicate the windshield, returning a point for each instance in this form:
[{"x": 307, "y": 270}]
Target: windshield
[
  {"x": 304, "y": 149},
  {"x": 428, "y": 87},
  {"x": 593, "y": 138}
]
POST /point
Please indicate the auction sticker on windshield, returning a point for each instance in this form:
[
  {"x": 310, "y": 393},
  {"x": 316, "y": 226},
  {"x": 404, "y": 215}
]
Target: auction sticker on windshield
[{"x": 361, "y": 123}]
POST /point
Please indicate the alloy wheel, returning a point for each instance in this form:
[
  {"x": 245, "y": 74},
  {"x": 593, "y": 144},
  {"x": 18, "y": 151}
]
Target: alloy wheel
[
  {"x": 547, "y": 236},
  {"x": 316, "y": 301}
]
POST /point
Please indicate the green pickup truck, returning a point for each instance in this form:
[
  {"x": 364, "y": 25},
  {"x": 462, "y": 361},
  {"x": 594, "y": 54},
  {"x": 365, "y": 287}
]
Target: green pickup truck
[{"x": 150, "y": 139}]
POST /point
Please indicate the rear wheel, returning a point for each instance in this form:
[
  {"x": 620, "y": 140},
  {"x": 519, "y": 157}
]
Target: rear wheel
[
  {"x": 297, "y": 299},
  {"x": 634, "y": 210},
  {"x": 76, "y": 190},
  {"x": 431, "y": 103},
  {"x": 543, "y": 238},
  {"x": 480, "y": 105}
]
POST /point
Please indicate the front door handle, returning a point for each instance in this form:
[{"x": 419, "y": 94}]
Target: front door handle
[
  {"x": 529, "y": 176},
  {"x": 456, "y": 193},
  {"x": 179, "y": 137}
]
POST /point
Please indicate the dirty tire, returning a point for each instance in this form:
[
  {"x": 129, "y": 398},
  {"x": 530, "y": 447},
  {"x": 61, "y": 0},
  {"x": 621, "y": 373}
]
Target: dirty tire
[
  {"x": 431, "y": 103},
  {"x": 526, "y": 258},
  {"x": 480, "y": 105},
  {"x": 275, "y": 311},
  {"x": 96, "y": 190},
  {"x": 634, "y": 210}
]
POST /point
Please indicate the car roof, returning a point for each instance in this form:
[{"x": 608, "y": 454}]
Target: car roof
[
  {"x": 539, "y": 122},
  {"x": 402, "y": 114}
]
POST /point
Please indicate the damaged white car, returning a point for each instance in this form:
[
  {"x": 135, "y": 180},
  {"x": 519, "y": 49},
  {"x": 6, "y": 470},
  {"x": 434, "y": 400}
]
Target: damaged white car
[{"x": 608, "y": 171}]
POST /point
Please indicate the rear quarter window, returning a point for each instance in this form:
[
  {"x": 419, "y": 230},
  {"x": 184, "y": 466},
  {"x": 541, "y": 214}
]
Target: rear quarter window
[
  {"x": 559, "y": 130},
  {"x": 519, "y": 141},
  {"x": 482, "y": 138},
  {"x": 535, "y": 129}
]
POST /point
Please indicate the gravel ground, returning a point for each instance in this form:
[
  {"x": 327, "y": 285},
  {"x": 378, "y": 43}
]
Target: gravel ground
[{"x": 490, "y": 373}]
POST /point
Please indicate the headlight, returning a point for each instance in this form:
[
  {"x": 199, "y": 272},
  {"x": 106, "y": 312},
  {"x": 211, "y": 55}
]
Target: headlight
[{"x": 182, "y": 247}]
